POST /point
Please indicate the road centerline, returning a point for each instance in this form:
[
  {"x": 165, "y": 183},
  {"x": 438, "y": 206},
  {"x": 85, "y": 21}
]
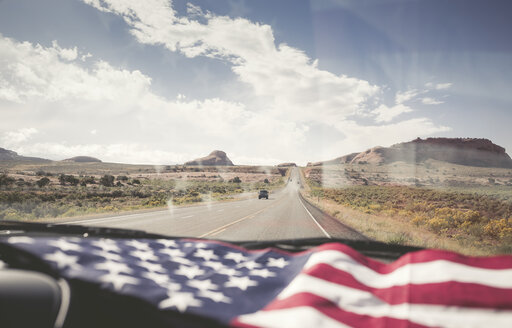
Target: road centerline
[{"x": 224, "y": 227}]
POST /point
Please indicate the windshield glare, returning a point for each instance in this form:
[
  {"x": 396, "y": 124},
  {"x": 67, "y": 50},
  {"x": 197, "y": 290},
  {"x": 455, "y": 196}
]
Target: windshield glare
[{"x": 237, "y": 121}]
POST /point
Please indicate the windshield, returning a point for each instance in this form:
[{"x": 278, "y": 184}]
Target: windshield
[{"x": 382, "y": 120}]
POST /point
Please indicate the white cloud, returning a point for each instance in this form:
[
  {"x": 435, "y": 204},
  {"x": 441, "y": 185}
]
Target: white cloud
[
  {"x": 133, "y": 153},
  {"x": 408, "y": 95},
  {"x": 194, "y": 10},
  {"x": 84, "y": 57},
  {"x": 28, "y": 71},
  {"x": 438, "y": 86},
  {"x": 386, "y": 114},
  {"x": 431, "y": 101},
  {"x": 442, "y": 86},
  {"x": 67, "y": 54},
  {"x": 10, "y": 138},
  {"x": 285, "y": 75}
]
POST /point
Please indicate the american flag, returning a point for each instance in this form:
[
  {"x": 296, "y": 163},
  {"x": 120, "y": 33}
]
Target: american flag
[{"x": 328, "y": 286}]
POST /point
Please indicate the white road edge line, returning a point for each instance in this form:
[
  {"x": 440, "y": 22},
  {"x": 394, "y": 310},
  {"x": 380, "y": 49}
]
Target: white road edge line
[{"x": 311, "y": 215}]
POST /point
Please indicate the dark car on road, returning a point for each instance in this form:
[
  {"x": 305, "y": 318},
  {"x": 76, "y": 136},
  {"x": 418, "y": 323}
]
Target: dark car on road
[{"x": 263, "y": 194}]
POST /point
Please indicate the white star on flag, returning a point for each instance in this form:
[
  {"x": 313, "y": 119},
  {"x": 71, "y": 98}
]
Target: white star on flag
[
  {"x": 144, "y": 255},
  {"x": 264, "y": 273},
  {"x": 64, "y": 245},
  {"x": 167, "y": 242},
  {"x": 201, "y": 245},
  {"x": 181, "y": 301},
  {"x": 214, "y": 265},
  {"x": 279, "y": 263},
  {"x": 138, "y": 245},
  {"x": 189, "y": 272},
  {"x": 229, "y": 272},
  {"x": 240, "y": 282},
  {"x": 249, "y": 265},
  {"x": 118, "y": 280},
  {"x": 107, "y": 245},
  {"x": 237, "y": 257},
  {"x": 202, "y": 284},
  {"x": 183, "y": 260},
  {"x": 206, "y": 254},
  {"x": 214, "y": 296},
  {"x": 63, "y": 260}
]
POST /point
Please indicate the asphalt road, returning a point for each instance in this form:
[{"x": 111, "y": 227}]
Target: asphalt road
[{"x": 283, "y": 216}]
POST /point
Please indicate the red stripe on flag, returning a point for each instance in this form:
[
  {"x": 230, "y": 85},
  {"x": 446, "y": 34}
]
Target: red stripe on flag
[
  {"x": 332, "y": 310},
  {"x": 494, "y": 263},
  {"x": 446, "y": 293}
]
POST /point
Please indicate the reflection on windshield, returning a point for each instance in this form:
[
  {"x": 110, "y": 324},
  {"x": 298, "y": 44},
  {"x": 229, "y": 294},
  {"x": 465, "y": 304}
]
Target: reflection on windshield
[{"x": 361, "y": 119}]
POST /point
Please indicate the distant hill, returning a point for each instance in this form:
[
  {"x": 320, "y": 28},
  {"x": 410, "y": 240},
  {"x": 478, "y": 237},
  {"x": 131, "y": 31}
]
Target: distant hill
[
  {"x": 9, "y": 155},
  {"x": 216, "y": 158},
  {"x": 82, "y": 159},
  {"x": 463, "y": 151}
]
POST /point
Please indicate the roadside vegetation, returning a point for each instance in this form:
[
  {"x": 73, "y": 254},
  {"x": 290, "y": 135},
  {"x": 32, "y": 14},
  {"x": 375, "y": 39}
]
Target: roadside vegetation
[
  {"x": 44, "y": 195},
  {"x": 476, "y": 220}
]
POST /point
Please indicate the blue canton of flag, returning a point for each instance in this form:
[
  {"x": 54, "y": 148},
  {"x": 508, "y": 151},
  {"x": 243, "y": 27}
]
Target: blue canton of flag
[{"x": 205, "y": 278}]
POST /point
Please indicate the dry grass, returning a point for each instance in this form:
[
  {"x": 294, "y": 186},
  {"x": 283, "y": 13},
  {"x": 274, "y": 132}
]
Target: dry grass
[
  {"x": 135, "y": 187},
  {"x": 433, "y": 204},
  {"x": 394, "y": 230}
]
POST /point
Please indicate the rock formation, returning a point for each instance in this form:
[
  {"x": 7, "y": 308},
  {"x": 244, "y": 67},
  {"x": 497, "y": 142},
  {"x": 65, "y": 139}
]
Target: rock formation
[
  {"x": 463, "y": 151},
  {"x": 216, "y": 158},
  {"x": 82, "y": 159}
]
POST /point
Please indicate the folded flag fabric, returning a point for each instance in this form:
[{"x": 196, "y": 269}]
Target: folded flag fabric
[{"x": 328, "y": 286}]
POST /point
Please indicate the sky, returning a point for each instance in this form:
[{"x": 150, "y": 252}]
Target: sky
[{"x": 163, "y": 82}]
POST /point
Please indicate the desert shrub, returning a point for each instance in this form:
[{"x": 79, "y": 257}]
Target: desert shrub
[
  {"x": 399, "y": 239},
  {"x": 6, "y": 180},
  {"x": 117, "y": 193},
  {"x": 84, "y": 181},
  {"x": 136, "y": 181},
  {"x": 266, "y": 181},
  {"x": 43, "y": 182},
  {"x": 72, "y": 180},
  {"x": 438, "y": 224},
  {"x": 235, "y": 180},
  {"x": 107, "y": 180},
  {"x": 122, "y": 178},
  {"x": 501, "y": 228},
  {"x": 65, "y": 178}
]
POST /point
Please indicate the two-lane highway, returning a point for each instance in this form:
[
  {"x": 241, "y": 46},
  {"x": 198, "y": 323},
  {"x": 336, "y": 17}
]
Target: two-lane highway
[{"x": 283, "y": 216}]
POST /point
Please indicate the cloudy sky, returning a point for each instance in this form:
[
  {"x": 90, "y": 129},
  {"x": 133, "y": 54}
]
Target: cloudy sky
[{"x": 161, "y": 82}]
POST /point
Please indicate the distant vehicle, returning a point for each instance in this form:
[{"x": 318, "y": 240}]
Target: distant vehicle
[{"x": 263, "y": 194}]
